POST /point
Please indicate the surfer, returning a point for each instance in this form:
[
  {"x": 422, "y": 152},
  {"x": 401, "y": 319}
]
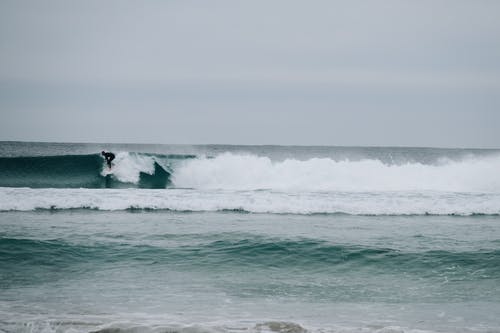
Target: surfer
[{"x": 109, "y": 157}]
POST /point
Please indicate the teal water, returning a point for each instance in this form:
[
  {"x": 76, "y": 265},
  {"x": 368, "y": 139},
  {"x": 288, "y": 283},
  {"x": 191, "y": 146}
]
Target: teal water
[
  {"x": 248, "y": 239},
  {"x": 89, "y": 271},
  {"x": 73, "y": 171}
]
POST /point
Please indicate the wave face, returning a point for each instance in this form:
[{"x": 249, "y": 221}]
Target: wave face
[
  {"x": 256, "y": 251},
  {"x": 85, "y": 171}
]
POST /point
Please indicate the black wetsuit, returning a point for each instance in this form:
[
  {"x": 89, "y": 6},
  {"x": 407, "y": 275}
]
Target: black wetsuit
[{"x": 109, "y": 157}]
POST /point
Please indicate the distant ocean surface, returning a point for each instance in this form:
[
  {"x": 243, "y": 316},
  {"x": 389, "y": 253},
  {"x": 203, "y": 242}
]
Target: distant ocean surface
[{"x": 216, "y": 238}]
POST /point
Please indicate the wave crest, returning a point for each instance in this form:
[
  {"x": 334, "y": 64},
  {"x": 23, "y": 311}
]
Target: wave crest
[{"x": 85, "y": 171}]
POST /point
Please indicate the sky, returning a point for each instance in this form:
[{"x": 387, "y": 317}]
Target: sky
[{"x": 355, "y": 73}]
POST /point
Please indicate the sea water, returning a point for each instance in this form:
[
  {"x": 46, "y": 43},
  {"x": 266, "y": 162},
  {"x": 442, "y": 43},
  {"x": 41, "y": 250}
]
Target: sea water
[{"x": 248, "y": 239}]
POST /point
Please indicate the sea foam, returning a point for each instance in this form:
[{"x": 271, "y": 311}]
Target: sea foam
[
  {"x": 250, "y": 172},
  {"x": 127, "y": 167},
  {"x": 355, "y": 203}
]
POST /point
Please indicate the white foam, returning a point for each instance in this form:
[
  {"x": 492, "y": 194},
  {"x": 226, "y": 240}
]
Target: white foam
[
  {"x": 372, "y": 203},
  {"x": 249, "y": 172},
  {"x": 128, "y": 166},
  {"x": 151, "y": 324}
]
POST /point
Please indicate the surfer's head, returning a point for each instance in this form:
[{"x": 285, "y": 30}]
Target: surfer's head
[{"x": 103, "y": 152}]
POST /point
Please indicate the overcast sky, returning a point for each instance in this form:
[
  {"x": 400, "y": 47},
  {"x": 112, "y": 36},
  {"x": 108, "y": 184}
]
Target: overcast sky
[{"x": 398, "y": 73}]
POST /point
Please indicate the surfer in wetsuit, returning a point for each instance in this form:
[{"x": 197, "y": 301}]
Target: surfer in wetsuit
[{"x": 109, "y": 157}]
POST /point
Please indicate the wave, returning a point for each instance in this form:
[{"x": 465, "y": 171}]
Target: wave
[
  {"x": 250, "y": 172},
  {"x": 264, "y": 201},
  {"x": 228, "y": 171},
  {"x": 250, "y": 183},
  {"x": 255, "y": 251},
  {"x": 87, "y": 171}
]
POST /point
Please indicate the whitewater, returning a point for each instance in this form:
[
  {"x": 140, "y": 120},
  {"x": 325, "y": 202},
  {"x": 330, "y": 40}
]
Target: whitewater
[{"x": 249, "y": 172}]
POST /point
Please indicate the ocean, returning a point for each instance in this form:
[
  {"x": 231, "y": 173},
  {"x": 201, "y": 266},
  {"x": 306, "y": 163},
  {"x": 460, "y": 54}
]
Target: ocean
[{"x": 224, "y": 238}]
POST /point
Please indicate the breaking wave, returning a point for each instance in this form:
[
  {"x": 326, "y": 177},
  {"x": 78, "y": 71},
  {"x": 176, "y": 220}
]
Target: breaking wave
[
  {"x": 229, "y": 171},
  {"x": 249, "y": 172},
  {"x": 86, "y": 171},
  {"x": 251, "y": 183}
]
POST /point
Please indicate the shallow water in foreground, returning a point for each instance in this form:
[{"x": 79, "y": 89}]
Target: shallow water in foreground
[
  {"x": 217, "y": 238},
  {"x": 84, "y": 270}
]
